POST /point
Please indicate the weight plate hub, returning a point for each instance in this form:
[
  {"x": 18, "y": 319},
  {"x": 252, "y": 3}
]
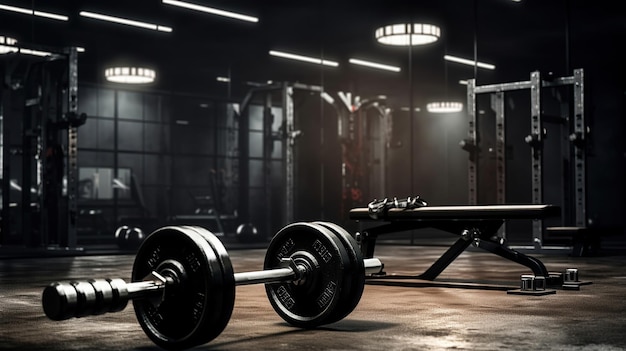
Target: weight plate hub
[
  {"x": 199, "y": 307},
  {"x": 315, "y": 300}
]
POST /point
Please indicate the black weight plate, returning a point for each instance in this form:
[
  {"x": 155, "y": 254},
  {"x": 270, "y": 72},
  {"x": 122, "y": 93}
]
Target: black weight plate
[
  {"x": 196, "y": 310},
  {"x": 354, "y": 276},
  {"x": 312, "y": 302},
  {"x": 228, "y": 301}
]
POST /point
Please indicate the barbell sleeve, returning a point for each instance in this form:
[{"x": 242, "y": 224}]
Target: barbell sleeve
[{"x": 373, "y": 266}]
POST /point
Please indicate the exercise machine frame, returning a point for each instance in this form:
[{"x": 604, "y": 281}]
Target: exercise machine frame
[
  {"x": 578, "y": 135},
  {"x": 48, "y": 93}
]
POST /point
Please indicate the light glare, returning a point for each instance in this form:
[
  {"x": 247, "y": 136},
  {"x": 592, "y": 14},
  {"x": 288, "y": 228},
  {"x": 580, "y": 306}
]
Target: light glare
[
  {"x": 374, "y": 65},
  {"x": 303, "y": 58},
  {"x": 125, "y": 21},
  {"x": 468, "y": 62},
  {"x": 211, "y": 10},
  {"x": 33, "y": 12}
]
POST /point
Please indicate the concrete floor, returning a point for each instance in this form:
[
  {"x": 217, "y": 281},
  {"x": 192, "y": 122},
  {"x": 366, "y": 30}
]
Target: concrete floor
[{"x": 412, "y": 316}]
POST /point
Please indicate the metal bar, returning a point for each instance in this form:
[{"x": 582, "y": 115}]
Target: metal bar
[
  {"x": 502, "y": 87},
  {"x": 143, "y": 289},
  {"x": 446, "y": 259},
  {"x": 289, "y": 152},
  {"x": 536, "y": 130},
  {"x": 267, "y": 276},
  {"x": 268, "y": 143},
  {"x": 308, "y": 87},
  {"x": 472, "y": 164},
  {"x": 72, "y": 152},
  {"x": 5, "y": 154},
  {"x": 559, "y": 81},
  {"x": 536, "y": 265},
  {"x": 495, "y": 88},
  {"x": 372, "y": 266},
  {"x": 497, "y": 104},
  {"x": 580, "y": 131}
]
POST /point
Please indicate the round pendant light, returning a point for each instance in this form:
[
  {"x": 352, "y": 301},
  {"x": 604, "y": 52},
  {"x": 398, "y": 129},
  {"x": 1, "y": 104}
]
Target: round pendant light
[
  {"x": 406, "y": 34},
  {"x": 130, "y": 75}
]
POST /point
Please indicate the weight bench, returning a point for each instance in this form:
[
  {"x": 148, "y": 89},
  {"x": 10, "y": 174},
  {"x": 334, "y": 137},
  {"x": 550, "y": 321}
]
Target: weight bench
[{"x": 476, "y": 225}]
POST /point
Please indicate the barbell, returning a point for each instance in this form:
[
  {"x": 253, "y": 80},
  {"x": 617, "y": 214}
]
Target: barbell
[{"x": 183, "y": 284}]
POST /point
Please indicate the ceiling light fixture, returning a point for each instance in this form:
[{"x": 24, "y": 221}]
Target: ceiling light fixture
[
  {"x": 374, "y": 65},
  {"x": 7, "y": 44},
  {"x": 211, "y": 10},
  {"x": 130, "y": 75},
  {"x": 223, "y": 79},
  {"x": 304, "y": 58},
  {"x": 444, "y": 107},
  {"x": 469, "y": 62},
  {"x": 35, "y": 52},
  {"x": 125, "y": 21},
  {"x": 33, "y": 12},
  {"x": 408, "y": 34}
]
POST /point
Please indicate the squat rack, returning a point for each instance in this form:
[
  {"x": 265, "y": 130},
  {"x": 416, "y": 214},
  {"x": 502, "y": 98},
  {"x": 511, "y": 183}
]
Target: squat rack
[
  {"x": 40, "y": 100},
  {"x": 578, "y": 133}
]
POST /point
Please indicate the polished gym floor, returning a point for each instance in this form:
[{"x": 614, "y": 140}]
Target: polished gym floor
[{"x": 466, "y": 308}]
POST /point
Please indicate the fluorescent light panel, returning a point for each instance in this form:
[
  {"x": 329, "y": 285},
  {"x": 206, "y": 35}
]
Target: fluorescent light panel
[
  {"x": 33, "y": 12},
  {"x": 125, "y": 21},
  {"x": 374, "y": 65},
  {"x": 303, "y": 58},
  {"x": 444, "y": 107},
  {"x": 211, "y": 10},
  {"x": 468, "y": 62},
  {"x": 223, "y": 79},
  {"x": 406, "y": 109}
]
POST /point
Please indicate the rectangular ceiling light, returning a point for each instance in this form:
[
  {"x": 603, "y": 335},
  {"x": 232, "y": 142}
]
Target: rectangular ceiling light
[
  {"x": 125, "y": 21},
  {"x": 304, "y": 58},
  {"x": 211, "y": 10},
  {"x": 468, "y": 62},
  {"x": 374, "y": 65},
  {"x": 33, "y": 12}
]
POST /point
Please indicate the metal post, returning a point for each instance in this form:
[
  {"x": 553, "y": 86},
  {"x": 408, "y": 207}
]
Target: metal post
[
  {"x": 5, "y": 227},
  {"x": 268, "y": 143},
  {"x": 289, "y": 152},
  {"x": 536, "y": 132},
  {"x": 579, "y": 136},
  {"x": 472, "y": 139},
  {"x": 497, "y": 104},
  {"x": 72, "y": 151}
]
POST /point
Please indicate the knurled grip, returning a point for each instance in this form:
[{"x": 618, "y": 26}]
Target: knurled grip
[{"x": 78, "y": 299}]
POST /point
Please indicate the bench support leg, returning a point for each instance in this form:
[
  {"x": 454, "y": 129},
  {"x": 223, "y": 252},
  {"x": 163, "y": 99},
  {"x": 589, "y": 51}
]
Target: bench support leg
[
  {"x": 445, "y": 260},
  {"x": 538, "y": 268}
]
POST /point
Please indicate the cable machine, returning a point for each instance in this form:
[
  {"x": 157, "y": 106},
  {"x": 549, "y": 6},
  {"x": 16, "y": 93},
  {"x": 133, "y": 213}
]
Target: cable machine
[{"x": 358, "y": 157}]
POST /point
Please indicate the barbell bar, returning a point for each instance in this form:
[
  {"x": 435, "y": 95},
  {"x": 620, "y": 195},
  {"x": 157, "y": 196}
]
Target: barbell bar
[{"x": 183, "y": 284}]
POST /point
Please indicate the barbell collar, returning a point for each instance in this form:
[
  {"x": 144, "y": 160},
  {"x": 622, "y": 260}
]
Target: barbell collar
[{"x": 373, "y": 266}]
